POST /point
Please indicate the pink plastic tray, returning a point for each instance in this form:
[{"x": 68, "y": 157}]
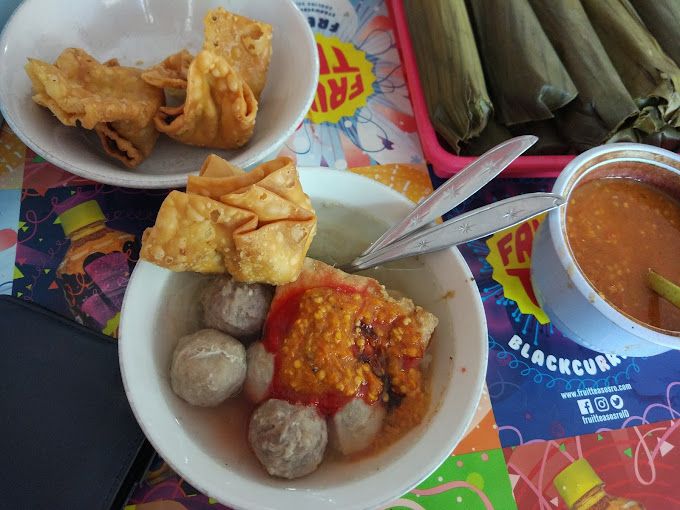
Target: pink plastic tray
[{"x": 443, "y": 162}]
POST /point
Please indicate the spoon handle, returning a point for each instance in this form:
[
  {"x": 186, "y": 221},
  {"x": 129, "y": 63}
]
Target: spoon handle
[
  {"x": 664, "y": 287},
  {"x": 458, "y": 188},
  {"x": 462, "y": 229}
]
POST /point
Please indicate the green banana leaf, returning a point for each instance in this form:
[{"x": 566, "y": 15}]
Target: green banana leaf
[
  {"x": 492, "y": 135},
  {"x": 449, "y": 68},
  {"x": 650, "y": 75},
  {"x": 603, "y": 104},
  {"x": 550, "y": 141},
  {"x": 667, "y": 137},
  {"x": 526, "y": 77},
  {"x": 662, "y": 18}
]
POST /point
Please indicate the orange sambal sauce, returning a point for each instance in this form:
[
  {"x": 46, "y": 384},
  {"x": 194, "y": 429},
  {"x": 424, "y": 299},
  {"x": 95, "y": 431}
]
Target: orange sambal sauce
[
  {"x": 332, "y": 344},
  {"x": 617, "y": 229}
]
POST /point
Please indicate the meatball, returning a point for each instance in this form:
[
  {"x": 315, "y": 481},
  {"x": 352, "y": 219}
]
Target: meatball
[
  {"x": 288, "y": 439},
  {"x": 207, "y": 367},
  {"x": 355, "y": 426},
  {"x": 236, "y": 308},
  {"x": 260, "y": 372}
]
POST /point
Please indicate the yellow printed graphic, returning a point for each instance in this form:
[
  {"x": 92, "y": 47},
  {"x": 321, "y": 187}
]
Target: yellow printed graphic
[
  {"x": 510, "y": 258},
  {"x": 410, "y": 180},
  {"x": 345, "y": 80},
  {"x": 111, "y": 327}
]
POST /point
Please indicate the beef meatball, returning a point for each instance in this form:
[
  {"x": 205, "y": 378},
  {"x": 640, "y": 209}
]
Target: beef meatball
[
  {"x": 288, "y": 439},
  {"x": 236, "y": 308},
  {"x": 259, "y": 373},
  {"x": 207, "y": 367},
  {"x": 355, "y": 426}
]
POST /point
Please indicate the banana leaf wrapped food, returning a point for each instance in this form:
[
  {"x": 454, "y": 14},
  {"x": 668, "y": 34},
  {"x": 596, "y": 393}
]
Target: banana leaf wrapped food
[
  {"x": 525, "y": 75},
  {"x": 493, "y": 134},
  {"x": 662, "y": 18},
  {"x": 658, "y": 134},
  {"x": 650, "y": 75},
  {"x": 603, "y": 104},
  {"x": 549, "y": 141},
  {"x": 448, "y": 62}
]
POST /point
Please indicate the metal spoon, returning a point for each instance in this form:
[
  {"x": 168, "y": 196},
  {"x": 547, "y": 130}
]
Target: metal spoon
[
  {"x": 467, "y": 227},
  {"x": 457, "y": 189}
]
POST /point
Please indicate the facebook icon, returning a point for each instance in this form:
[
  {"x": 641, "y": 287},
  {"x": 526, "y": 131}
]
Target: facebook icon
[{"x": 585, "y": 406}]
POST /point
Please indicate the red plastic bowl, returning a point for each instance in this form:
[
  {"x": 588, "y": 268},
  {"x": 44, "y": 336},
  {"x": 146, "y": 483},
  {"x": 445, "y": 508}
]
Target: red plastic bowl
[{"x": 443, "y": 162}]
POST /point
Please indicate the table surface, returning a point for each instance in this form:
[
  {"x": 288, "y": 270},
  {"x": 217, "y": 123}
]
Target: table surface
[{"x": 531, "y": 422}]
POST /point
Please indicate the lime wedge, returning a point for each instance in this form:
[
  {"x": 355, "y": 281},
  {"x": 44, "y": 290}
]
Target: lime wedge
[{"x": 664, "y": 287}]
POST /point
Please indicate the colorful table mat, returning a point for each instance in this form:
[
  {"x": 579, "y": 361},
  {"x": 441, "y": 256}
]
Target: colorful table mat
[{"x": 547, "y": 402}]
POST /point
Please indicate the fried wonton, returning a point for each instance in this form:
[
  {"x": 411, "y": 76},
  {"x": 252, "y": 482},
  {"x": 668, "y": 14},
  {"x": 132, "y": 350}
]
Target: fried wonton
[
  {"x": 215, "y": 166},
  {"x": 246, "y": 44},
  {"x": 193, "y": 233},
  {"x": 219, "y": 110},
  {"x": 171, "y": 73},
  {"x": 257, "y": 226},
  {"x": 112, "y": 99},
  {"x": 126, "y": 141},
  {"x": 278, "y": 175}
]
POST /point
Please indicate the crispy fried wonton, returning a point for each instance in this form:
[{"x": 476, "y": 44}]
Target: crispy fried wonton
[
  {"x": 215, "y": 166},
  {"x": 219, "y": 110},
  {"x": 125, "y": 141},
  {"x": 245, "y": 43},
  {"x": 112, "y": 99},
  {"x": 127, "y": 108},
  {"x": 171, "y": 73},
  {"x": 257, "y": 226}
]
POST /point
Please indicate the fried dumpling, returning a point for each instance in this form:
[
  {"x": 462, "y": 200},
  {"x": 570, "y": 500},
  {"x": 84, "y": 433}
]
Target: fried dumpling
[
  {"x": 278, "y": 176},
  {"x": 171, "y": 73},
  {"x": 245, "y": 43},
  {"x": 215, "y": 166},
  {"x": 218, "y": 177},
  {"x": 257, "y": 226},
  {"x": 112, "y": 99},
  {"x": 219, "y": 110},
  {"x": 126, "y": 141},
  {"x": 193, "y": 233}
]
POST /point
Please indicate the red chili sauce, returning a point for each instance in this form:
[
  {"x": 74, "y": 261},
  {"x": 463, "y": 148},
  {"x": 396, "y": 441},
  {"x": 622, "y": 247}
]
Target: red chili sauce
[
  {"x": 332, "y": 344},
  {"x": 618, "y": 228}
]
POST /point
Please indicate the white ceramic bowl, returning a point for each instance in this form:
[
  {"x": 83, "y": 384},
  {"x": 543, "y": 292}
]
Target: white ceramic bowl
[
  {"x": 209, "y": 449},
  {"x": 571, "y": 302},
  {"x": 148, "y": 31}
]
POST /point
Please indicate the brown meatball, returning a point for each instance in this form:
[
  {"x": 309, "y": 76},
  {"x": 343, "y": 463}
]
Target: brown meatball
[
  {"x": 288, "y": 439},
  {"x": 259, "y": 373},
  {"x": 207, "y": 367},
  {"x": 236, "y": 308},
  {"x": 355, "y": 426}
]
